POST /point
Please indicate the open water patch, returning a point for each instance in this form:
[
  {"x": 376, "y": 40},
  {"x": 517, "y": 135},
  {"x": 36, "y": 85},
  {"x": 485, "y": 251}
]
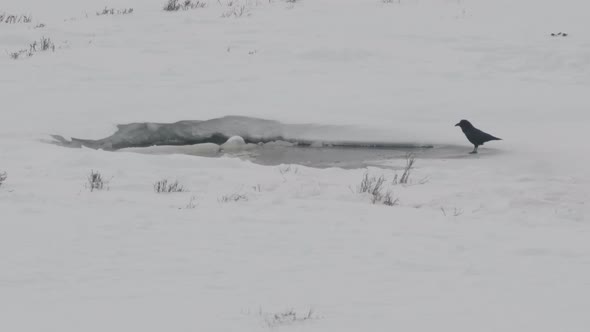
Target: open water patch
[{"x": 265, "y": 142}]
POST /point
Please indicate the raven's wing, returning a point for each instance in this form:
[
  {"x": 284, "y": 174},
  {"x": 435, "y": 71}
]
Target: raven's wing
[{"x": 482, "y": 137}]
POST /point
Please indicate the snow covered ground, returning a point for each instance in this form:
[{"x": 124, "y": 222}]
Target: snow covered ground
[{"x": 493, "y": 242}]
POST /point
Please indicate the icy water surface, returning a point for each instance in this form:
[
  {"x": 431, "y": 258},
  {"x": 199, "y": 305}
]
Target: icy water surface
[{"x": 349, "y": 156}]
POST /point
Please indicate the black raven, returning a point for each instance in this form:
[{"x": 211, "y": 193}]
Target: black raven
[{"x": 474, "y": 135}]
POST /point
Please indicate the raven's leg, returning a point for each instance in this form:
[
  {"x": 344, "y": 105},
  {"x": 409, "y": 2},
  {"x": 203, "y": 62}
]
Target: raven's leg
[{"x": 474, "y": 149}]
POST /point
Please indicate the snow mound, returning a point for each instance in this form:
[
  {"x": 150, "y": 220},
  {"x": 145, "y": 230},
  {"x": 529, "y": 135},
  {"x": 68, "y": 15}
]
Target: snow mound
[{"x": 237, "y": 143}]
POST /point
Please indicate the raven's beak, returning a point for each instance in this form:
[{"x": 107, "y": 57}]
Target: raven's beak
[{"x": 456, "y": 125}]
